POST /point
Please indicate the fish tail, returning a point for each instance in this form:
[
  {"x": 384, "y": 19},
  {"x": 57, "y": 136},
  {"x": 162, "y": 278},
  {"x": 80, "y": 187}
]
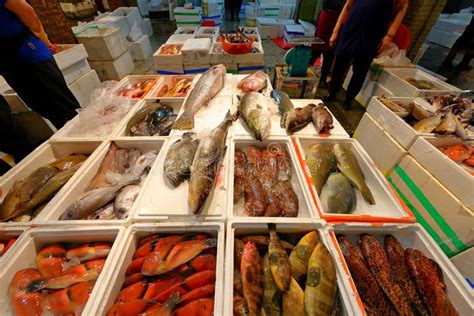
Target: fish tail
[
  {"x": 185, "y": 121},
  {"x": 365, "y": 191}
]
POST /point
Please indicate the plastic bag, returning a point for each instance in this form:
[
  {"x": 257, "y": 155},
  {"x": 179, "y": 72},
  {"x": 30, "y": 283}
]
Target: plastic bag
[
  {"x": 135, "y": 33},
  {"x": 102, "y": 115},
  {"x": 392, "y": 56}
]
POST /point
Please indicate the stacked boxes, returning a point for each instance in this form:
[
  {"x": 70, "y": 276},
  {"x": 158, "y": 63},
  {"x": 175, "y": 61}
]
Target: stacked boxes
[{"x": 187, "y": 17}]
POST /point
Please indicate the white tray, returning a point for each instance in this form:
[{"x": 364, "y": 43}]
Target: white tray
[
  {"x": 11, "y": 232},
  {"x": 115, "y": 279},
  {"x": 166, "y": 79},
  {"x": 132, "y": 79}
]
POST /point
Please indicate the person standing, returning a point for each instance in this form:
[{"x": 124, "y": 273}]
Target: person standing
[
  {"x": 464, "y": 42},
  {"x": 28, "y": 66},
  {"x": 364, "y": 29}
]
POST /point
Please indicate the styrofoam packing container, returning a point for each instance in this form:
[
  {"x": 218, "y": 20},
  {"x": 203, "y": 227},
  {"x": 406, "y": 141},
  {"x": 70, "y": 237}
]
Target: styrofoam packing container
[
  {"x": 180, "y": 30},
  {"x": 6, "y": 233},
  {"x": 211, "y": 32},
  {"x": 76, "y": 71},
  {"x": 102, "y": 44},
  {"x": 132, "y": 14},
  {"x": 165, "y": 59},
  {"x": 248, "y": 227},
  {"x": 83, "y": 87},
  {"x": 305, "y": 203},
  {"x": 76, "y": 189},
  {"x": 159, "y": 200},
  {"x": 395, "y": 80},
  {"x": 35, "y": 239},
  {"x": 103, "y": 302},
  {"x": 140, "y": 49},
  {"x": 73, "y": 54},
  {"x": 410, "y": 236},
  {"x": 166, "y": 80},
  {"x": 112, "y": 21},
  {"x": 178, "y": 39},
  {"x": 387, "y": 207},
  {"x": 115, "y": 69},
  {"x": 46, "y": 153},
  {"x": 147, "y": 27},
  {"x": 133, "y": 79}
]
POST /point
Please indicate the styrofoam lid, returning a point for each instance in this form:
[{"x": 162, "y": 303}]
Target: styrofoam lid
[
  {"x": 179, "y": 38},
  {"x": 197, "y": 44}
]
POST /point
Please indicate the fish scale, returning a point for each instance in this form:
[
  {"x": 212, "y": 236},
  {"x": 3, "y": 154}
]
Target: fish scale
[{"x": 252, "y": 278}]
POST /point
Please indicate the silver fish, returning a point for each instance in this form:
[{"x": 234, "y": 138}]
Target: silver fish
[
  {"x": 179, "y": 158},
  {"x": 143, "y": 163},
  {"x": 125, "y": 199},
  {"x": 103, "y": 213},
  {"x": 338, "y": 195},
  {"x": 254, "y": 111},
  {"x": 206, "y": 88}
]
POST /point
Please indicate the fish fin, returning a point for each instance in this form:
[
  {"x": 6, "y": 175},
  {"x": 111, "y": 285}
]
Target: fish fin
[
  {"x": 367, "y": 195},
  {"x": 185, "y": 121}
]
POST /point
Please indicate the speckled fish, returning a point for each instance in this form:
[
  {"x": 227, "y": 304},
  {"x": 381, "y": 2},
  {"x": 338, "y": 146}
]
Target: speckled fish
[
  {"x": 338, "y": 196},
  {"x": 179, "y": 158},
  {"x": 107, "y": 165},
  {"x": 284, "y": 104},
  {"x": 365, "y": 282},
  {"x": 251, "y": 271},
  {"x": 279, "y": 262},
  {"x": 139, "y": 117},
  {"x": 239, "y": 246},
  {"x": 253, "y": 82},
  {"x": 300, "y": 255},
  {"x": 205, "y": 89},
  {"x": 348, "y": 165},
  {"x": 255, "y": 198},
  {"x": 287, "y": 198},
  {"x": 206, "y": 162},
  {"x": 429, "y": 281},
  {"x": 322, "y": 119},
  {"x": 378, "y": 264},
  {"x": 124, "y": 201},
  {"x": 427, "y": 125},
  {"x": 396, "y": 258},
  {"x": 298, "y": 118},
  {"x": 293, "y": 300},
  {"x": 240, "y": 162},
  {"x": 261, "y": 242},
  {"x": 283, "y": 161},
  {"x": 320, "y": 290},
  {"x": 271, "y": 304},
  {"x": 321, "y": 162},
  {"x": 253, "y": 110}
]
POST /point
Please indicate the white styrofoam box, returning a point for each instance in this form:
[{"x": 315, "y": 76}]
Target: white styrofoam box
[
  {"x": 84, "y": 87},
  {"x": 36, "y": 239},
  {"x": 170, "y": 69},
  {"x": 268, "y": 27},
  {"x": 251, "y": 58},
  {"x": 443, "y": 38},
  {"x": 371, "y": 89},
  {"x": 287, "y": 11},
  {"x": 15, "y": 103},
  {"x": 133, "y": 79},
  {"x": 450, "y": 25},
  {"x": 178, "y": 38},
  {"x": 217, "y": 55},
  {"x": 294, "y": 29},
  {"x": 6, "y": 234},
  {"x": 394, "y": 79},
  {"x": 415, "y": 237},
  {"x": 196, "y": 51},
  {"x": 141, "y": 49},
  {"x": 167, "y": 59},
  {"x": 168, "y": 81},
  {"x": 190, "y": 30},
  {"x": 116, "y": 69},
  {"x": 306, "y": 208},
  {"x": 138, "y": 231},
  {"x": 192, "y": 69},
  {"x": 147, "y": 28},
  {"x": 76, "y": 189},
  {"x": 102, "y": 44},
  {"x": 457, "y": 179},
  {"x": 464, "y": 262},
  {"x": 4, "y": 87},
  {"x": 132, "y": 14},
  {"x": 381, "y": 147},
  {"x": 298, "y": 226},
  {"x": 45, "y": 154},
  {"x": 143, "y": 7},
  {"x": 159, "y": 200},
  {"x": 70, "y": 55},
  {"x": 211, "y": 32},
  {"x": 387, "y": 207},
  {"x": 112, "y": 21},
  {"x": 76, "y": 71},
  {"x": 309, "y": 29},
  {"x": 187, "y": 15}
]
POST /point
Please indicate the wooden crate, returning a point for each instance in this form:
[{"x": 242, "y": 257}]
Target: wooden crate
[{"x": 297, "y": 87}]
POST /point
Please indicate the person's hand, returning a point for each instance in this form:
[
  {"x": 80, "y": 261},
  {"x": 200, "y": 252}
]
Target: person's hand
[
  {"x": 53, "y": 48},
  {"x": 333, "y": 40},
  {"x": 385, "y": 44}
]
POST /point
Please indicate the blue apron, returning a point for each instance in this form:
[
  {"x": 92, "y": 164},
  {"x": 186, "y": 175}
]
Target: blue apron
[{"x": 365, "y": 27}]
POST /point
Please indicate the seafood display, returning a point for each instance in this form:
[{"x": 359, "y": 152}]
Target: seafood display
[
  {"x": 421, "y": 83},
  {"x": 394, "y": 280},
  {"x": 62, "y": 281},
  {"x": 171, "y": 49},
  {"x": 460, "y": 154},
  {"x": 178, "y": 87},
  {"x": 262, "y": 177},
  {"x": 442, "y": 115},
  {"x": 253, "y": 82},
  {"x": 5, "y": 245},
  {"x": 205, "y": 89},
  {"x": 336, "y": 174},
  {"x": 27, "y": 197},
  {"x": 179, "y": 158},
  {"x": 170, "y": 275},
  {"x": 253, "y": 109},
  {"x": 137, "y": 90},
  {"x": 275, "y": 277},
  {"x": 239, "y": 37},
  {"x": 114, "y": 188},
  {"x": 154, "y": 119}
]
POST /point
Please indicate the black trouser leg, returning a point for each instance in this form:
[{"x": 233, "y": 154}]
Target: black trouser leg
[
  {"x": 341, "y": 64},
  {"x": 360, "y": 67},
  {"x": 328, "y": 58},
  {"x": 43, "y": 88},
  {"x": 468, "y": 55}
]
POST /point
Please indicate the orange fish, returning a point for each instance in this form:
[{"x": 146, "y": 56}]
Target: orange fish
[{"x": 251, "y": 270}]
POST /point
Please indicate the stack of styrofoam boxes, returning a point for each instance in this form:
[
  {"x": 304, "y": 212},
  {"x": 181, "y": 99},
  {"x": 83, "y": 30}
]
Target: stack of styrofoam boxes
[
  {"x": 80, "y": 78},
  {"x": 187, "y": 17},
  {"x": 448, "y": 28},
  {"x": 108, "y": 53},
  {"x": 212, "y": 10},
  {"x": 195, "y": 53},
  {"x": 271, "y": 27}
]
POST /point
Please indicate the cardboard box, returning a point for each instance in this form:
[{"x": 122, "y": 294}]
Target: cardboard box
[
  {"x": 166, "y": 59},
  {"x": 449, "y": 223},
  {"x": 196, "y": 51},
  {"x": 464, "y": 263},
  {"x": 251, "y": 58},
  {"x": 102, "y": 44},
  {"x": 84, "y": 87},
  {"x": 147, "y": 28},
  {"x": 111, "y": 21},
  {"x": 453, "y": 176},
  {"x": 219, "y": 56},
  {"x": 71, "y": 54},
  {"x": 169, "y": 69},
  {"x": 141, "y": 49},
  {"x": 196, "y": 68},
  {"x": 381, "y": 147},
  {"x": 179, "y": 38},
  {"x": 116, "y": 69}
]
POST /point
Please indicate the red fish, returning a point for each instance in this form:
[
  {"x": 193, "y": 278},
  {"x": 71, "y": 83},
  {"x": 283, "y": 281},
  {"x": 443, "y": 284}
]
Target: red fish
[{"x": 251, "y": 270}]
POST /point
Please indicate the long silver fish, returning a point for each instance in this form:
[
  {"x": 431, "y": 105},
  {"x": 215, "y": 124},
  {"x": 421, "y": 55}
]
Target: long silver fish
[
  {"x": 254, "y": 110},
  {"x": 206, "y": 88},
  {"x": 209, "y": 154},
  {"x": 179, "y": 158},
  {"x": 125, "y": 199}
]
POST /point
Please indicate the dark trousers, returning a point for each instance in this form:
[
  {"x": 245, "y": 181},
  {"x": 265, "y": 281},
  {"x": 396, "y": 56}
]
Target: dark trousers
[
  {"x": 42, "y": 87},
  {"x": 328, "y": 59},
  {"x": 360, "y": 67}
]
